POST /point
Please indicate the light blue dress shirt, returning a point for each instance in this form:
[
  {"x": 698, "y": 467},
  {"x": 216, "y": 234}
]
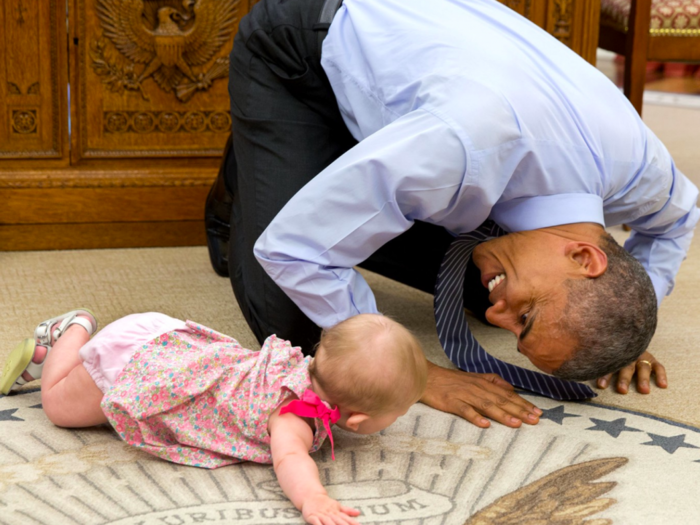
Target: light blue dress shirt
[{"x": 466, "y": 111}]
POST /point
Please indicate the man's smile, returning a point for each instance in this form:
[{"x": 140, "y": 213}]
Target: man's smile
[{"x": 496, "y": 281}]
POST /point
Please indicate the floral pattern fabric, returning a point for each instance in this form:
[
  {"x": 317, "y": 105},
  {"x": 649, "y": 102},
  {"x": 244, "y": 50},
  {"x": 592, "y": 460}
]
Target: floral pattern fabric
[
  {"x": 197, "y": 397},
  {"x": 668, "y": 17}
]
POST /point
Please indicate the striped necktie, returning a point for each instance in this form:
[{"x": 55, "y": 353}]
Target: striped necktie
[{"x": 459, "y": 343}]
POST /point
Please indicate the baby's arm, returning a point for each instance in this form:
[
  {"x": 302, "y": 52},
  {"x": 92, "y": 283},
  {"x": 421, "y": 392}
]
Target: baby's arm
[{"x": 290, "y": 440}]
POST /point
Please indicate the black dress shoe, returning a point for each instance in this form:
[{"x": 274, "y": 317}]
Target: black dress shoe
[{"x": 217, "y": 217}]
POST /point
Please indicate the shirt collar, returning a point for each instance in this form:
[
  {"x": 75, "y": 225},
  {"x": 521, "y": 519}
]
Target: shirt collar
[{"x": 544, "y": 211}]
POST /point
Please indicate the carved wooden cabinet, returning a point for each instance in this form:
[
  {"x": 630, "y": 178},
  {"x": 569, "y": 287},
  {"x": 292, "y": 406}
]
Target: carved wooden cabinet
[
  {"x": 150, "y": 77},
  {"x": 573, "y": 22},
  {"x": 33, "y": 82},
  {"x": 114, "y": 114}
]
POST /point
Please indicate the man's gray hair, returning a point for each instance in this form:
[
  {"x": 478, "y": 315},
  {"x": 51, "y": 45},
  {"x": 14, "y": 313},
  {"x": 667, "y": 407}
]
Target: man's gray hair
[{"x": 612, "y": 317}]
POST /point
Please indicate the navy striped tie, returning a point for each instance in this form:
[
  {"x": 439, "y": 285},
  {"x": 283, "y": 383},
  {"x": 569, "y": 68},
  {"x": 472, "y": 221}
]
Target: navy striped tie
[{"x": 459, "y": 343}]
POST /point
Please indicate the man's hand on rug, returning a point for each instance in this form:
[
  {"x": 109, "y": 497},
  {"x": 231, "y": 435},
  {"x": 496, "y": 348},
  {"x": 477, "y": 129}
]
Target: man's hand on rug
[
  {"x": 643, "y": 367},
  {"x": 321, "y": 509},
  {"x": 473, "y": 396}
]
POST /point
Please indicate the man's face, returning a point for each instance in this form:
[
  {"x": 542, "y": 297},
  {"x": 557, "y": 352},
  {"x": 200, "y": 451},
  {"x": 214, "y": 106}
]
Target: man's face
[{"x": 525, "y": 274}]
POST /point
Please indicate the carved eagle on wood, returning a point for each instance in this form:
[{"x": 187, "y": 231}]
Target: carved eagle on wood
[{"x": 168, "y": 50}]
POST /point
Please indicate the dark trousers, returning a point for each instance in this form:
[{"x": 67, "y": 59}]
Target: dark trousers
[{"x": 286, "y": 129}]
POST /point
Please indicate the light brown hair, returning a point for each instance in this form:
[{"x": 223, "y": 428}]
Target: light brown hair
[{"x": 371, "y": 364}]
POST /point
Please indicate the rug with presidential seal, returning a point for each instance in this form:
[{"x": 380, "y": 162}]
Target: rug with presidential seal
[
  {"x": 619, "y": 460},
  {"x": 581, "y": 464}
]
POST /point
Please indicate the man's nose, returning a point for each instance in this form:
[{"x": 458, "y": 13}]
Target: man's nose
[
  {"x": 495, "y": 313},
  {"x": 498, "y": 315}
]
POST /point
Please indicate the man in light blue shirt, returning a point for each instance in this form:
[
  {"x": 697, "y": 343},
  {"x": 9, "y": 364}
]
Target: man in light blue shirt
[{"x": 440, "y": 115}]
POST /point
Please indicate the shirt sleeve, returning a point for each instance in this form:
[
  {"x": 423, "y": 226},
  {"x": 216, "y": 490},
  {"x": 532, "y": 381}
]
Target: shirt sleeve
[
  {"x": 660, "y": 240},
  {"x": 411, "y": 169}
]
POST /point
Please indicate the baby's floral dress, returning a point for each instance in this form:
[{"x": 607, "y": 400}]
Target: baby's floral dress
[{"x": 197, "y": 397}]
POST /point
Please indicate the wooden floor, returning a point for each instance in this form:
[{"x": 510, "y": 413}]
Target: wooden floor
[
  {"x": 689, "y": 86},
  {"x": 666, "y": 77}
]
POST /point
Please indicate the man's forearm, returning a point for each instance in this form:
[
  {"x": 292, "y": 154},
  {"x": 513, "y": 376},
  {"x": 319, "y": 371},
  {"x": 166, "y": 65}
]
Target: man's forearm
[
  {"x": 660, "y": 240},
  {"x": 662, "y": 255}
]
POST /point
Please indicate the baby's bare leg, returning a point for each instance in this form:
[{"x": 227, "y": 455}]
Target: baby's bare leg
[{"x": 69, "y": 396}]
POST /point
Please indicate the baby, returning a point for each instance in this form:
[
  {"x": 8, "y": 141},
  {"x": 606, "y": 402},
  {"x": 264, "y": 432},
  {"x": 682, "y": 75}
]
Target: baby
[{"x": 193, "y": 396}]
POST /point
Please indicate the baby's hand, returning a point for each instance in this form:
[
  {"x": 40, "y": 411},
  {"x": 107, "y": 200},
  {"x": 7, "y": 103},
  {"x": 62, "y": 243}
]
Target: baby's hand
[{"x": 321, "y": 509}]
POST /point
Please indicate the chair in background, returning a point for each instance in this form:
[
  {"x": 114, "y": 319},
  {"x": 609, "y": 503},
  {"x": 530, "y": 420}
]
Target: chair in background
[{"x": 654, "y": 30}]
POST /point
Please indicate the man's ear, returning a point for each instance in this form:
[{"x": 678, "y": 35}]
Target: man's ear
[
  {"x": 591, "y": 259},
  {"x": 355, "y": 419}
]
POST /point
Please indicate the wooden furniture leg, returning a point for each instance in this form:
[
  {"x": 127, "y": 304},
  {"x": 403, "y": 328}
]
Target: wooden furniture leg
[{"x": 636, "y": 50}]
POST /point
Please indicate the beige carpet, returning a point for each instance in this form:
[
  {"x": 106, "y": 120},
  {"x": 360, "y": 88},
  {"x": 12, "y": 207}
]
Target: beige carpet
[{"x": 620, "y": 459}]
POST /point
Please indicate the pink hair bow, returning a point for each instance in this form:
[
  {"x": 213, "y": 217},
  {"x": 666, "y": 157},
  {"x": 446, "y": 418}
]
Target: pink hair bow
[{"x": 310, "y": 405}]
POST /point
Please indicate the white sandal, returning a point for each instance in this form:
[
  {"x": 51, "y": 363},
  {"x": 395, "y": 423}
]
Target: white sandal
[{"x": 20, "y": 359}]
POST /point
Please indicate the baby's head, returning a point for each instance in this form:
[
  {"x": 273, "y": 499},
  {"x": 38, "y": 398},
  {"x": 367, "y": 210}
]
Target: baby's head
[{"x": 373, "y": 368}]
